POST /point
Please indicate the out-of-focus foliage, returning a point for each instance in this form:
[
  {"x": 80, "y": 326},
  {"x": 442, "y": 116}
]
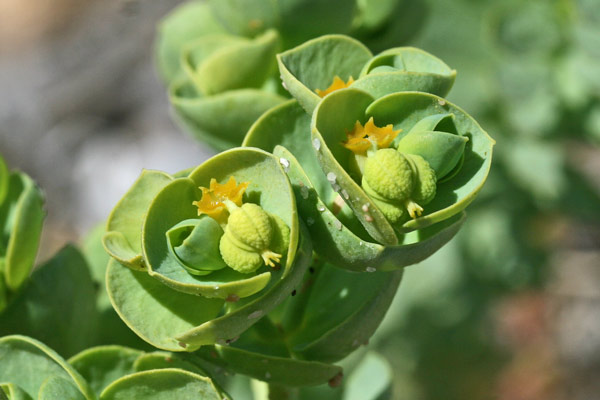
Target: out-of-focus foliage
[{"x": 529, "y": 72}]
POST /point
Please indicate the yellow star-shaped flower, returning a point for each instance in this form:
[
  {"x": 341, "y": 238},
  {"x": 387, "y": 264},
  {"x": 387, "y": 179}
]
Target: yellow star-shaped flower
[
  {"x": 361, "y": 138},
  {"x": 213, "y": 198},
  {"x": 338, "y": 83}
]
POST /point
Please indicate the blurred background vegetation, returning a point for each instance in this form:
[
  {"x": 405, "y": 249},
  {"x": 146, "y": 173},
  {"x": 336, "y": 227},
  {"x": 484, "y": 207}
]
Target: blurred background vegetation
[{"x": 507, "y": 310}]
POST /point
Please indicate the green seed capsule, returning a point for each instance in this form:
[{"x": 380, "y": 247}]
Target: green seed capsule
[
  {"x": 389, "y": 174},
  {"x": 251, "y": 238}
]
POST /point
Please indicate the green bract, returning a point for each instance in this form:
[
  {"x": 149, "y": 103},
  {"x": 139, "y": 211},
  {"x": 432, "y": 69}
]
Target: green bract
[
  {"x": 21, "y": 217},
  {"x": 404, "y": 69},
  {"x": 193, "y": 271},
  {"x": 337, "y": 232},
  {"x": 311, "y": 68},
  {"x": 411, "y": 113}
]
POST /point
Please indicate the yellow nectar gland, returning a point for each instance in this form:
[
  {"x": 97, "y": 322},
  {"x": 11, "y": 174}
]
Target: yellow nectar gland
[
  {"x": 213, "y": 198},
  {"x": 362, "y": 138},
  {"x": 338, "y": 83}
]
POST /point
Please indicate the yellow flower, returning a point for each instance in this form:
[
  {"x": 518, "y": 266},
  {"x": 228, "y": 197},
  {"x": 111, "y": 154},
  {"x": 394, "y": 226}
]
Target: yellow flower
[
  {"x": 338, "y": 83},
  {"x": 214, "y": 198},
  {"x": 361, "y": 138}
]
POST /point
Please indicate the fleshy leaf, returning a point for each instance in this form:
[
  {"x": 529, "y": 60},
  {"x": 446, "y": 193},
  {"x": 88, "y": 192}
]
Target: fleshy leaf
[
  {"x": 49, "y": 303},
  {"x": 341, "y": 312},
  {"x": 314, "y": 64},
  {"x": 441, "y": 150},
  {"x": 221, "y": 120},
  {"x": 154, "y": 311},
  {"x": 102, "y": 365},
  {"x": 21, "y": 218},
  {"x": 405, "y": 69},
  {"x": 162, "y": 384},
  {"x": 123, "y": 239},
  {"x": 273, "y": 369},
  {"x": 28, "y": 363}
]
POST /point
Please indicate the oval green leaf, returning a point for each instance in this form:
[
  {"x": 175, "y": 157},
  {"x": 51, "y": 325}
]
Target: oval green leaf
[
  {"x": 314, "y": 64},
  {"x": 102, "y": 365},
  {"x": 123, "y": 239},
  {"x": 220, "y": 120},
  {"x": 28, "y": 363},
  {"x": 21, "y": 218},
  {"x": 404, "y": 69}
]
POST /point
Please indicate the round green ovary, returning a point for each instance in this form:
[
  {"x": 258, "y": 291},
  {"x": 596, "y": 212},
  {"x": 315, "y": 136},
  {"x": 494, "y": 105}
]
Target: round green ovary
[
  {"x": 425, "y": 183},
  {"x": 388, "y": 174},
  {"x": 252, "y": 237}
]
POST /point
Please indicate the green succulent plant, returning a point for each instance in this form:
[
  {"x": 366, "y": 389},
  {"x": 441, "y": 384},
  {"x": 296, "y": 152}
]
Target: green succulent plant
[{"x": 21, "y": 218}]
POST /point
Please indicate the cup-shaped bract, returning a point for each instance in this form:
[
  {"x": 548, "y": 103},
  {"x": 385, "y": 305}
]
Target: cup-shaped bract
[
  {"x": 333, "y": 122},
  {"x": 21, "y": 218},
  {"x": 404, "y": 69},
  {"x": 332, "y": 62},
  {"x": 200, "y": 237},
  {"x": 320, "y": 65},
  {"x": 338, "y": 236},
  {"x": 220, "y": 93}
]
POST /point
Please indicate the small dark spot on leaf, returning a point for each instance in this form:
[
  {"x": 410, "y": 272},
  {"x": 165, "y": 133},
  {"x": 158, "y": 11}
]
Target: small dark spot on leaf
[
  {"x": 311, "y": 270},
  {"x": 294, "y": 292},
  {"x": 181, "y": 344},
  {"x": 168, "y": 359},
  {"x": 336, "y": 380}
]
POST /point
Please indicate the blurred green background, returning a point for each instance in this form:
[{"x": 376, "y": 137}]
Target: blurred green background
[{"x": 507, "y": 310}]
